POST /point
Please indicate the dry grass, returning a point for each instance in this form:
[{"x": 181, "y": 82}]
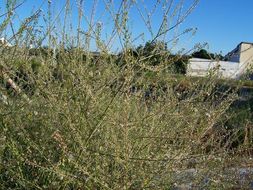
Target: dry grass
[{"x": 74, "y": 122}]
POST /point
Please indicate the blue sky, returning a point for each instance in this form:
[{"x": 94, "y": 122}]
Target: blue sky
[{"x": 221, "y": 23}]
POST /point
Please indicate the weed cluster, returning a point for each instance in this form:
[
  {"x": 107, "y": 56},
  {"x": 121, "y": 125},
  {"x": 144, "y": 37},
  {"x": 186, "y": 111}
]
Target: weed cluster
[{"x": 76, "y": 115}]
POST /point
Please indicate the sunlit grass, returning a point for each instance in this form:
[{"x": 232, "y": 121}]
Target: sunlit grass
[{"x": 73, "y": 119}]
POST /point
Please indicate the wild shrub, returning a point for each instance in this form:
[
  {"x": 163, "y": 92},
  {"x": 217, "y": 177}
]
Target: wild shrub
[{"x": 94, "y": 121}]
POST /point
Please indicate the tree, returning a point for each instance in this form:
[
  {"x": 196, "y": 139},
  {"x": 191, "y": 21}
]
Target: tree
[
  {"x": 204, "y": 54},
  {"x": 156, "y": 52}
]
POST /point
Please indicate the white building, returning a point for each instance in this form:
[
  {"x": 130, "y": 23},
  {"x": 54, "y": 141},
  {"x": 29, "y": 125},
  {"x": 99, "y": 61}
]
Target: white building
[{"x": 238, "y": 62}]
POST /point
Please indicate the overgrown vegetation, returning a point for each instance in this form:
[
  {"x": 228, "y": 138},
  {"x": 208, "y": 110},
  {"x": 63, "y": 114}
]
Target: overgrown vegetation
[{"x": 76, "y": 115}]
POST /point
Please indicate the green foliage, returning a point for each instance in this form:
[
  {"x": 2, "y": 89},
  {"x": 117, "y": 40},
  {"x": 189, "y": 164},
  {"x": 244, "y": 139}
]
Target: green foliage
[
  {"x": 156, "y": 52},
  {"x": 179, "y": 65},
  {"x": 204, "y": 54}
]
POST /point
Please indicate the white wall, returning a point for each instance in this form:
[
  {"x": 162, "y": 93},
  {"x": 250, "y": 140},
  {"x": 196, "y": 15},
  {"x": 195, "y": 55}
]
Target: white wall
[
  {"x": 202, "y": 67},
  {"x": 240, "y": 59}
]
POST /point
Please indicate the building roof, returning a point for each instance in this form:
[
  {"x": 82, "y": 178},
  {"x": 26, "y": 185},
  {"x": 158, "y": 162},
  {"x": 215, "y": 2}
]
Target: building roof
[
  {"x": 246, "y": 43},
  {"x": 237, "y": 49}
]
